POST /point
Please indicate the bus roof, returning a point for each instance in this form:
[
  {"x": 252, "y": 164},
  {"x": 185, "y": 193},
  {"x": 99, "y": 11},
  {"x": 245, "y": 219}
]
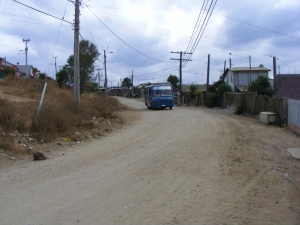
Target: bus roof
[{"x": 158, "y": 84}]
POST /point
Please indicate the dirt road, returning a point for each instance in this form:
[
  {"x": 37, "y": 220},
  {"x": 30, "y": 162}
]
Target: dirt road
[{"x": 189, "y": 165}]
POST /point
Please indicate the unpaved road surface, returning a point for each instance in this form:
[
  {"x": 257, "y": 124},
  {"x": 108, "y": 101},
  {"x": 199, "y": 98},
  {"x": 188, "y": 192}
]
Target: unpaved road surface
[{"x": 189, "y": 165}]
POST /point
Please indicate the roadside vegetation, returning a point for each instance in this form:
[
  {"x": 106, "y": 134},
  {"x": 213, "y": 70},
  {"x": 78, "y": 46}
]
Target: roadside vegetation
[{"x": 19, "y": 101}]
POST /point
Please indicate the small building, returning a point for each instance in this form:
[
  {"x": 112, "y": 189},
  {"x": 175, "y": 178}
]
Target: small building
[
  {"x": 32, "y": 72},
  {"x": 239, "y": 78},
  {"x": 13, "y": 68}
]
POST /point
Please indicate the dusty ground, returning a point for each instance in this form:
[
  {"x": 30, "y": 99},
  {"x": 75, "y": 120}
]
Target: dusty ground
[{"x": 191, "y": 165}]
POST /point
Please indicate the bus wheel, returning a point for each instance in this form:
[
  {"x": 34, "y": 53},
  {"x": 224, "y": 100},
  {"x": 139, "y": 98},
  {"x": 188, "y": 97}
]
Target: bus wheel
[{"x": 170, "y": 107}]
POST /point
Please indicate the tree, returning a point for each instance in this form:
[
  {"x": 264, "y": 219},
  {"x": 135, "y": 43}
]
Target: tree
[
  {"x": 262, "y": 86},
  {"x": 126, "y": 82},
  {"x": 193, "y": 89},
  {"x": 7, "y": 70},
  {"x": 64, "y": 76},
  {"x": 223, "y": 88},
  {"x": 173, "y": 80},
  {"x": 88, "y": 54},
  {"x": 215, "y": 85}
]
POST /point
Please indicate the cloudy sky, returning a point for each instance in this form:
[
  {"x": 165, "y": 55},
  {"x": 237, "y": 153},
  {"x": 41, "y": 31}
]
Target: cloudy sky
[{"x": 142, "y": 35}]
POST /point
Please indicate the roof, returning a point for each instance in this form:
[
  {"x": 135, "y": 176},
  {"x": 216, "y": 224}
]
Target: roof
[
  {"x": 248, "y": 68},
  {"x": 242, "y": 88}
]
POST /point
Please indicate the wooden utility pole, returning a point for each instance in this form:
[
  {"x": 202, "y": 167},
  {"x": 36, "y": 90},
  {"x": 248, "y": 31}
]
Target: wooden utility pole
[
  {"x": 55, "y": 57},
  {"x": 274, "y": 74},
  {"x": 132, "y": 84},
  {"x": 76, "y": 88},
  {"x": 180, "y": 72},
  {"x": 105, "y": 74},
  {"x": 250, "y": 71},
  {"x": 224, "y": 71},
  {"x": 208, "y": 69}
]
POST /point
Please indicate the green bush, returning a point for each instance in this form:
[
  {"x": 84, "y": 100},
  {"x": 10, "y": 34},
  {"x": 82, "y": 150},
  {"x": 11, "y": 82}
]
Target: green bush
[
  {"x": 223, "y": 88},
  {"x": 210, "y": 99},
  {"x": 238, "y": 110}
]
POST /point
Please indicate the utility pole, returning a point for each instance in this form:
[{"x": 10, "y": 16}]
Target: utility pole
[
  {"x": 26, "y": 50},
  {"x": 250, "y": 71},
  {"x": 105, "y": 75},
  {"x": 207, "y": 79},
  {"x": 274, "y": 74},
  {"x": 99, "y": 77},
  {"x": 180, "y": 72},
  {"x": 55, "y": 57},
  {"x": 229, "y": 60},
  {"x": 224, "y": 71},
  {"x": 132, "y": 84},
  {"x": 76, "y": 88}
]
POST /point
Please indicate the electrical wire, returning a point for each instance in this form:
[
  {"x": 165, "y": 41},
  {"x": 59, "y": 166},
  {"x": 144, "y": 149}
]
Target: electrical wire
[
  {"x": 263, "y": 28},
  {"x": 57, "y": 40},
  {"x": 202, "y": 29},
  {"x": 123, "y": 40},
  {"x": 172, "y": 68},
  {"x": 43, "y": 12},
  {"x": 197, "y": 23},
  {"x": 22, "y": 21},
  {"x": 288, "y": 65},
  {"x": 136, "y": 33}
]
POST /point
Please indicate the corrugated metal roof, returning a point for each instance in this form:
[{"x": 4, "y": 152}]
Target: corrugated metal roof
[
  {"x": 248, "y": 69},
  {"x": 242, "y": 88}
]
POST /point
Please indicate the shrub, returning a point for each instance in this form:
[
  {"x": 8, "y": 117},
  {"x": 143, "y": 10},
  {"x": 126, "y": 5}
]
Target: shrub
[
  {"x": 238, "y": 110},
  {"x": 223, "y": 88},
  {"x": 210, "y": 99}
]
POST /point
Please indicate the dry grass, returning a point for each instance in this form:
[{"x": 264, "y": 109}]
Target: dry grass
[{"x": 57, "y": 118}]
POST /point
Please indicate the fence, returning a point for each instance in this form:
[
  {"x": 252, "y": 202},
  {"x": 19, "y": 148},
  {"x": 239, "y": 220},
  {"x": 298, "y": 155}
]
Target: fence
[
  {"x": 253, "y": 104},
  {"x": 294, "y": 115}
]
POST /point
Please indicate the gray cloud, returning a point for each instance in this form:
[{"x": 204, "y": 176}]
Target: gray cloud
[{"x": 155, "y": 28}]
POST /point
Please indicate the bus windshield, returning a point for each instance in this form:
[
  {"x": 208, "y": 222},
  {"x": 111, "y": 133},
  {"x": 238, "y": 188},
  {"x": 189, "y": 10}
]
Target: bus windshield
[{"x": 160, "y": 91}]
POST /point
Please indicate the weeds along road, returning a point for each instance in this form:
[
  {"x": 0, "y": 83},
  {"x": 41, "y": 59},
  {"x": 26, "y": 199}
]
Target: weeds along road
[{"x": 189, "y": 165}]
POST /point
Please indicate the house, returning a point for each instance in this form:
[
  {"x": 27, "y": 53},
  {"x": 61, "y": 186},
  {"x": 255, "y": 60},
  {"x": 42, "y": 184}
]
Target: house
[
  {"x": 239, "y": 78},
  {"x": 288, "y": 86},
  {"x": 32, "y": 72},
  {"x": 14, "y": 68}
]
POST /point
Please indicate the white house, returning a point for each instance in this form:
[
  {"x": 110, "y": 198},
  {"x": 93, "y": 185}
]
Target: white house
[{"x": 239, "y": 78}]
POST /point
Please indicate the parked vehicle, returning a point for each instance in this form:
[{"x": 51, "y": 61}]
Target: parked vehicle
[{"x": 159, "y": 96}]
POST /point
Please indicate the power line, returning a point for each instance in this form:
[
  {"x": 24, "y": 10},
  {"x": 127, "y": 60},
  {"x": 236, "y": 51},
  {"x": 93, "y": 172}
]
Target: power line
[
  {"x": 287, "y": 65},
  {"x": 202, "y": 29},
  {"x": 197, "y": 23},
  {"x": 22, "y": 21},
  {"x": 263, "y": 28},
  {"x": 172, "y": 68},
  {"x": 43, "y": 12},
  {"x": 135, "y": 33},
  {"x": 56, "y": 42},
  {"x": 123, "y": 40}
]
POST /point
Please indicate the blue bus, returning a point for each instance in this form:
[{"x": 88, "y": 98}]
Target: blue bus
[{"x": 159, "y": 96}]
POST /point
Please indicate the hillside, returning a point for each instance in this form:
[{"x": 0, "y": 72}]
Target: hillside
[{"x": 58, "y": 123}]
